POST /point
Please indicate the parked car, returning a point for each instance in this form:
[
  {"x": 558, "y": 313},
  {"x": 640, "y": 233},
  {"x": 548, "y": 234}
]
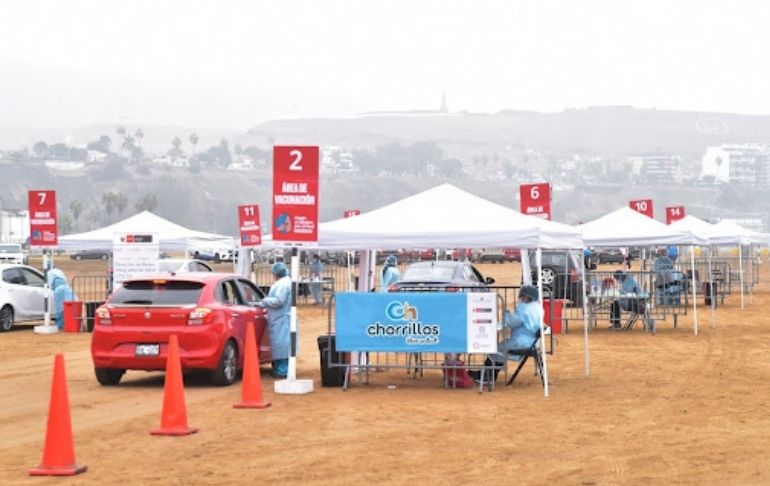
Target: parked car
[
  {"x": 213, "y": 255},
  {"x": 491, "y": 255},
  {"x": 561, "y": 275},
  {"x": 207, "y": 311},
  {"x": 440, "y": 275},
  {"x": 181, "y": 265},
  {"x": 609, "y": 255},
  {"x": 12, "y": 253},
  {"x": 90, "y": 255},
  {"x": 22, "y": 295},
  {"x": 512, "y": 254},
  {"x": 416, "y": 254}
]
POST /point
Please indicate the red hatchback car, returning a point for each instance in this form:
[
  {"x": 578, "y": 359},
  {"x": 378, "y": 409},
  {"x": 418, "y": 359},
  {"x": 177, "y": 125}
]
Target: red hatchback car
[{"x": 207, "y": 311}]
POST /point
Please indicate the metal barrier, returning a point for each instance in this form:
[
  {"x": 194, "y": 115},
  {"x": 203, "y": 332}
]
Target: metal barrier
[{"x": 92, "y": 290}]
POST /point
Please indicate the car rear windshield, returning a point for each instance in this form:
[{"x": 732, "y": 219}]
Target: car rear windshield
[
  {"x": 10, "y": 249},
  {"x": 429, "y": 273},
  {"x": 157, "y": 293}
]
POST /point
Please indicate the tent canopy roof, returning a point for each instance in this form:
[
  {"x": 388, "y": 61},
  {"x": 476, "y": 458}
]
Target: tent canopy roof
[
  {"x": 445, "y": 217},
  {"x": 626, "y": 227},
  {"x": 171, "y": 235}
]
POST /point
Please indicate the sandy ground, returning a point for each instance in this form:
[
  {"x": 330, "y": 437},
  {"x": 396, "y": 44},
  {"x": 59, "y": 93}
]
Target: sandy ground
[{"x": 666, "y": 409}]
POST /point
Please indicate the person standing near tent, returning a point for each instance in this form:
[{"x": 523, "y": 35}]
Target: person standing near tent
[
  {"x": 61, "y": 293},
  {"x": 673, "y": 253},
  {"x": 390, "y": 274},
  {"x": 278, "y": 304},
  {"x": 316, "y": 276}
]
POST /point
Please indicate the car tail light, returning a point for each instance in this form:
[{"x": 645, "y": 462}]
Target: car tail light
[
  {"x": 453, "y": 289},
  {"x": 103, "y": 316},
  {"x": 393, "y": 288},
  {"x": 198, "y": 316}
]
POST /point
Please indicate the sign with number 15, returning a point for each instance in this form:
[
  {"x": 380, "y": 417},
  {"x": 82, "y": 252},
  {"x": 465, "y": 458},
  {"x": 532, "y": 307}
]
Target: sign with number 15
[{"x": 295, "y": 194}]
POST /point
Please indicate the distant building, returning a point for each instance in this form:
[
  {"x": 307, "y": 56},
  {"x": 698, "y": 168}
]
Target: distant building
[
  {"x": 744, "y": 164},
  {"x": 655, "y": 169},
  {"x": 14, "y": 226}
]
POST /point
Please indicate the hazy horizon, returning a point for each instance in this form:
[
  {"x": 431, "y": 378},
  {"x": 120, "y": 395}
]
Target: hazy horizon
[{"x": 234, "y": 64}]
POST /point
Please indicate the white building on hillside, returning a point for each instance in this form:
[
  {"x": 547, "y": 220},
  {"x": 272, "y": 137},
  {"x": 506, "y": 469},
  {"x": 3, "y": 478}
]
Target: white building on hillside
[{"x": 744, "y": 164}]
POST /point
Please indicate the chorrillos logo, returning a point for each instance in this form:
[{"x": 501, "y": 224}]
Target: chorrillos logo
[{"x": 410, "y": 328}]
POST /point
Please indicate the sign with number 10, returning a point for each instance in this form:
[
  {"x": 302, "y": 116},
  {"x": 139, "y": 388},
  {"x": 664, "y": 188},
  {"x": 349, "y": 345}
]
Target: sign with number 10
[
  {"x": 674, "y": 213},
  {"x": 248, "y": 222},
  {"x": 535, "y": 199},
  {"x": 295, "y": 194},
  {"x": 643, "y": 206},
  {"x": 42, "y": 218}
]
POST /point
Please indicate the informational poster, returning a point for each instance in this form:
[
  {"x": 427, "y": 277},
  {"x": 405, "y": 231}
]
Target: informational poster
[
  {"x": 643, "y": 206},
  {"x": 248, "y": 222},
  {"x": 535, "y": 199},
  {"x": 134, "y": 254},
  {"x": 674, "y": 213},
  {"x": 295, "y": 194},
  {"x": 351, "y": 212},
  {"x": 416, "y": 322},
  {"x": 42, "y": 218}
]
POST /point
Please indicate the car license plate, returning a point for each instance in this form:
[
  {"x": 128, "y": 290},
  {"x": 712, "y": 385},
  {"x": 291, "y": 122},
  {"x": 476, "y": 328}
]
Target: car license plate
[{"x": 147, "y": 349}]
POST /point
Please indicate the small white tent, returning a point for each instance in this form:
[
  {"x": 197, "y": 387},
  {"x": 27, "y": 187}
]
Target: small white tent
[
  {"x": 626, "y": 227},
  {"x": 171, "y": 235}
]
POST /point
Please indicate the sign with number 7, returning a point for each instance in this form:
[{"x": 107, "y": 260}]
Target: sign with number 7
[
  {"x": 42, "y": 218},
  {"x": 295, "y": 194}
]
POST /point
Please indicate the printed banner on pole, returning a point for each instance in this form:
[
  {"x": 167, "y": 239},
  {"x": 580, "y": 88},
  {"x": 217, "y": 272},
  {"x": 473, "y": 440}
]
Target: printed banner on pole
[
  {"x": 674, "y": 213},
  {"x": 643, "y": 206},
  {"x": 134, "y": 254},
  {"x": 42, "y": 218},
  {"x": 295, "y": 194},
  {"x": 535, "y": 199},
  {"x": 350, "y": 213},
  {"x": 416, "y": 322},
  {"x": 248, "y": 222}
]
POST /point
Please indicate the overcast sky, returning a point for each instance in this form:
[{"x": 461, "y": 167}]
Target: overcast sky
[{"x": 233, "y": 64}]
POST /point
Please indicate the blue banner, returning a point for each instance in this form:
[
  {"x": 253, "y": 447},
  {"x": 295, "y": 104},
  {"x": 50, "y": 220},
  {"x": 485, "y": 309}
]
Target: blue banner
[{"x": 401, "y": 322}]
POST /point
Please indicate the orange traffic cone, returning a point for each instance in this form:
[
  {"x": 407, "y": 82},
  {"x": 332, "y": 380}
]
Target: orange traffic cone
[
  {"x": 59, "y": 450},
  {"x": 173, "y": 418},
  {"x": 251, "y": 387}
]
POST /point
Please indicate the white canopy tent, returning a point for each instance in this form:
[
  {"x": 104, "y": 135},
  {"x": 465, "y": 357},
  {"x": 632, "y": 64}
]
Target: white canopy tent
[
  {"x": 171, "y": 235},
  {"x": 443, "y": 217},
  {"x": 446, "y": 217},
  {"x": 626, "y": 227}
]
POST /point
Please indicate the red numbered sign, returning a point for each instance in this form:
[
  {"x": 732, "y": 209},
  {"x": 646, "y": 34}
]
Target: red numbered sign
[
  {"x": 351, "y": 212},
  {"x": 248, "y": 222},
  {"x": 643, "y": 206},
  {"x": 295, "y": 194},
  {"x": 535, "y": 199},
  {"x": 42, "y": 218},
  {"x": 674, "y": 213}
]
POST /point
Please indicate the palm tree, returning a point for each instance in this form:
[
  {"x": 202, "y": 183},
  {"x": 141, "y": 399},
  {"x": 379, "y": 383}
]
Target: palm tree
[
  {"x": 193, "y": 141},
  {"x": 76, "y": 208},
  {"x": 121, "y": 134},
  {"x": 148, "y": 202},
  {"x": 139, "y": 134}
]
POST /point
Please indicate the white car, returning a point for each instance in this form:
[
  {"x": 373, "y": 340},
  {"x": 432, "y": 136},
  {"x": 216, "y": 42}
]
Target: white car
[
  {"x": 22, "y": 295},
  {"x": 12, "y": 253},
  {"x": 181, "y": 265}
]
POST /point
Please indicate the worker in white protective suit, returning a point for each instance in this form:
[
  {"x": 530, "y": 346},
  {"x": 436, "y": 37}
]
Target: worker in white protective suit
[
  {"x": 390, "y": 274},
  {"x": 278, "y": 304}
]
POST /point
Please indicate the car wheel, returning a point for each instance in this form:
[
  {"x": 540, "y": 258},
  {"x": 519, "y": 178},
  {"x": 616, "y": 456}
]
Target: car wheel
[
  {"x": 6, "y": 318},
  {"x": 227, "y": 368},
  {"x": 78, "y": 257},
  {"x": 548, "y": 276},
  {"x": 103, "y": 257},
  {"x": 108, "y": 376}
]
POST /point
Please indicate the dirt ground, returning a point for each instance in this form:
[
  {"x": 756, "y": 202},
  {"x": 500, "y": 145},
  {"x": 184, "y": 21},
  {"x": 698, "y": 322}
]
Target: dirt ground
[{"x": 672, "y": 408}]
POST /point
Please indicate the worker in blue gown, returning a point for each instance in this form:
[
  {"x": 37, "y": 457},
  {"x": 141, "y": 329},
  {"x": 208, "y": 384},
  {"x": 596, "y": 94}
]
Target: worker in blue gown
[
  {"x": 524, "y": 323},
  {"x": 278, "y": 304},
  {"x": 61, "y": 293},
  {"x": 390, "y": 274}
]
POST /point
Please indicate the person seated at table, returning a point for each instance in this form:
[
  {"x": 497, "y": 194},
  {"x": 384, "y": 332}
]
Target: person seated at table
[
  {"x": 524, "y": 323},
  {"x": 316, "y": 277},
  {"x": 630, "y": 299}
]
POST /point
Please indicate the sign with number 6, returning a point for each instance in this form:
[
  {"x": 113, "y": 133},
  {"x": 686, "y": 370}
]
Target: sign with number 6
[{"x": 535, "y": 199}]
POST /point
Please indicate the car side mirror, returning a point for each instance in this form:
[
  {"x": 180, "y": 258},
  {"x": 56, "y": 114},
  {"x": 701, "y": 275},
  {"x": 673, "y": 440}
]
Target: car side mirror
[
  {"x": 489, "y": 281},
  {"x": 593, "y": 266}
]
